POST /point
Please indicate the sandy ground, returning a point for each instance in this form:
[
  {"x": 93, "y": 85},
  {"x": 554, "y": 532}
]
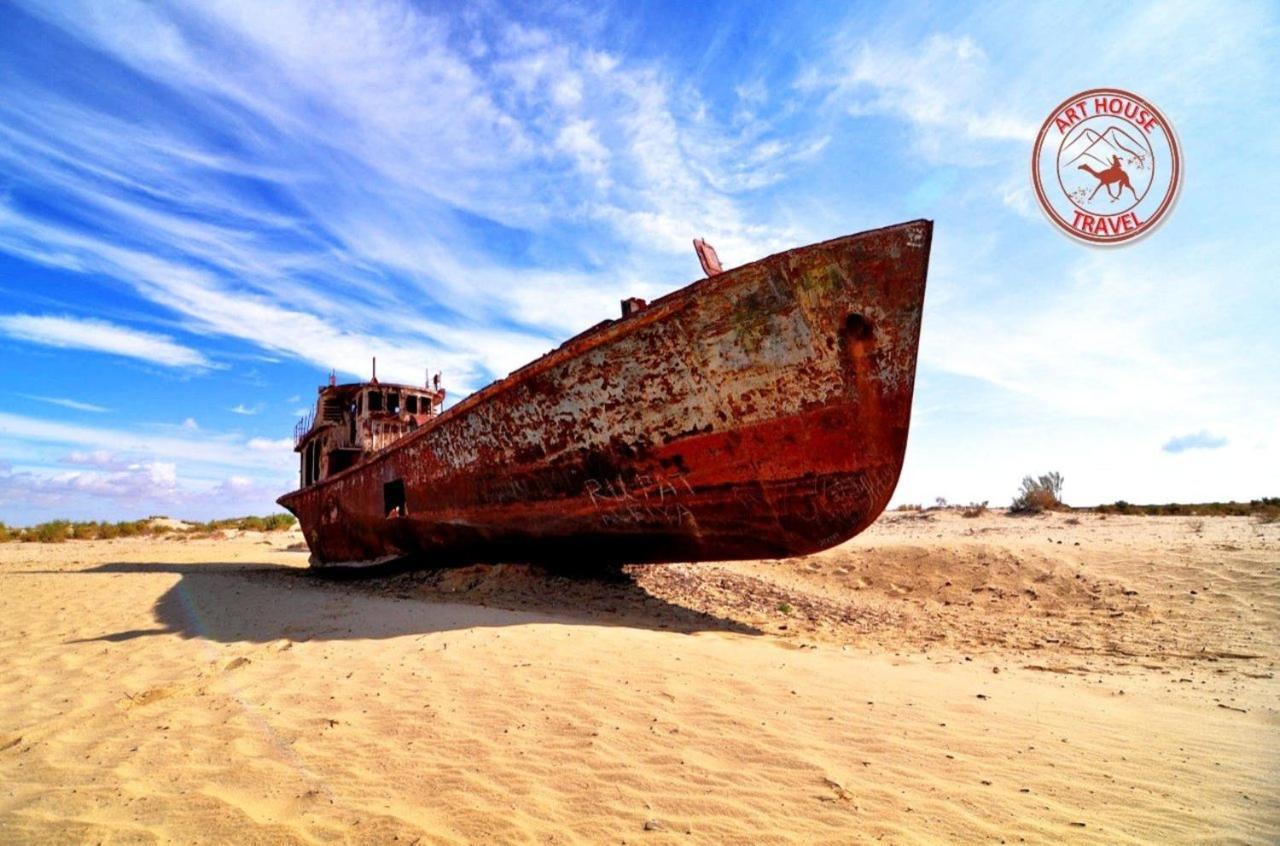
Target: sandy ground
[{"x": 938, "y": 679}]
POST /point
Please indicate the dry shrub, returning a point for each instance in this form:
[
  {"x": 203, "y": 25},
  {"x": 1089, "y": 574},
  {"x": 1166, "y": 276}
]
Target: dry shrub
[
  {"x": 1038, "y": 495},
  {"x": 974, "y": 509},
  {"x": 55, "y": 531}
]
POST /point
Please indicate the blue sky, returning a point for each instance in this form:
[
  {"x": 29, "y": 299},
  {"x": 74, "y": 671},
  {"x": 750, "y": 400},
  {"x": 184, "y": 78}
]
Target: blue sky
[{"x": 204, "y": 207}]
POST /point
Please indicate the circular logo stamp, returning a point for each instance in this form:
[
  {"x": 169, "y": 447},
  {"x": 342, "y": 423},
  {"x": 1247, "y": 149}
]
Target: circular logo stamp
[{"x": 1106, "y": 166}]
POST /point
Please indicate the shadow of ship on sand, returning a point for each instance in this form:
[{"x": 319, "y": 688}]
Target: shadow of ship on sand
[{"x": 258, "y": 603}]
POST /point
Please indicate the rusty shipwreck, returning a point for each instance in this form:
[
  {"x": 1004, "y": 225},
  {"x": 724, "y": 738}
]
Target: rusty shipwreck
[{"x": 759, "y": 412}]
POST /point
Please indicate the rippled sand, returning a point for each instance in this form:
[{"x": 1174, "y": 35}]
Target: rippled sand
[{"x": 935, "y": 680}]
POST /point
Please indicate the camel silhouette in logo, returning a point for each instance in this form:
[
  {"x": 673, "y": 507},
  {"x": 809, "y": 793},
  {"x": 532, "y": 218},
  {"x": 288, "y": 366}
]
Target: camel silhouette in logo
[{"x": 1112, "y": 175}]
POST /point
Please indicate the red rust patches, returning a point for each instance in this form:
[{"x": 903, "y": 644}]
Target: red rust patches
[{"x": 760, "y": 412}]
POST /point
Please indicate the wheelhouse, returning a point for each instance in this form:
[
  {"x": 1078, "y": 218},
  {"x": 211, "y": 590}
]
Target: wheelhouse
[{"x": 352, "y": 421}]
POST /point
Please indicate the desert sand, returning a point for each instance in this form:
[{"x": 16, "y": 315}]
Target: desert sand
[{"x": 1054, "y": 679}]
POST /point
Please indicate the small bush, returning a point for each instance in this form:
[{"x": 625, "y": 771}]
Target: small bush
[
  {"x": 909, "y": 507},
  {"x": 54, "y": 531},
  {"x": 270, "y": 523},
  {"x": 974, "y": 509},
  {"x": 1037, "y": 495},
  {"x": 57, "y": 531},
  {"x": 252, "y": 524},
  {"x": 279, "y": 522},
  {"x": 130, "y": 528},
  {"x": 1202, "y": 509}
]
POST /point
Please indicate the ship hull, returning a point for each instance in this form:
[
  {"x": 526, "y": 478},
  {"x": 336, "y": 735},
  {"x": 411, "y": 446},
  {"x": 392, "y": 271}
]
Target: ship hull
[{"x": 762, "y": 412}]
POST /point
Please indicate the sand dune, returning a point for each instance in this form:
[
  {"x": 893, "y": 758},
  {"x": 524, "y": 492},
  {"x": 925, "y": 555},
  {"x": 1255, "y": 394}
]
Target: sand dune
[{"x": 938, "y": 679}]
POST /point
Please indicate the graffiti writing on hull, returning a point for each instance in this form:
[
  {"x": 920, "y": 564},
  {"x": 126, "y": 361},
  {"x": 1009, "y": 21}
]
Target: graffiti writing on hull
[
  {"x": 840, "y": 496},
  {"x": 649, "y": 500}
]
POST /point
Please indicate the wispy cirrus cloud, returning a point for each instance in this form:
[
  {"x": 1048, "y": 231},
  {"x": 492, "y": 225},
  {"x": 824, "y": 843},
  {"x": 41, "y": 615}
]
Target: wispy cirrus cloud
[
  {"x": 339, "y": 193},
  {"x": 65, "y": 402},
  {"x": 942, "y": 85},
  {"x": 100, "y": 336}
]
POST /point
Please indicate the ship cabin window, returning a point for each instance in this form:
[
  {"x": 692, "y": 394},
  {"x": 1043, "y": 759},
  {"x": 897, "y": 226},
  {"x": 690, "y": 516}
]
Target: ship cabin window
[
  {"x": 393, "y": 502},
  {"x": 374, "y": 401},
  {"x": 393, "y": 402},
  {"x": 411, "y": 404}
]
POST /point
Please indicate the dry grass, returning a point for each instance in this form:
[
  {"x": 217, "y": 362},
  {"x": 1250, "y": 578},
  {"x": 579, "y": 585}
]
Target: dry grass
[{"x": 60, "y": 531}]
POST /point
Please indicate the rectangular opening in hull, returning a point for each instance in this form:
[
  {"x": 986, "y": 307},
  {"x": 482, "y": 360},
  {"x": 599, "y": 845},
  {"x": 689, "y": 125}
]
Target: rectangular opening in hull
[{"x": 393, "y": 503}]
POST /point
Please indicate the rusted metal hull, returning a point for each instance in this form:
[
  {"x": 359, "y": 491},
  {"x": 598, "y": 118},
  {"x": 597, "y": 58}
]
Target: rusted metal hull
[{"x": 759, "y": 413}]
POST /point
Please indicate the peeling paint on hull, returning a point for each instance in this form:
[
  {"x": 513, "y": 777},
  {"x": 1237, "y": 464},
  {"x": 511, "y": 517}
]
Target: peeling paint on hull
[{"x": 758, "y": 413}]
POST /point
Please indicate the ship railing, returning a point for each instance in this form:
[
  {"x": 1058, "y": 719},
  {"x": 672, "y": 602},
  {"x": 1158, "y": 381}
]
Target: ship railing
[{"x": 303, "y": 426}]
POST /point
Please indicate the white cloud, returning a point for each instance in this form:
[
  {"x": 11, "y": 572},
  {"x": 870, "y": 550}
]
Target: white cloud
[
  {"x": 125, "y": 474},
  {"x": 131, "y": 492},
  {"x": 241, "y": 408},
  {"x": 387, "y": 139},
  {"x": 206, "y": 448},
  {"x": 942, "y": 85},
  {"x": 74, "y": 405},
  {"x": 143, "y": 482},
  {"x": 278, "y": 445},
  {"x": 578, "y": 139},
  {"x": 101, "y": 336},
  {"x": 100, "y": 458}
]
